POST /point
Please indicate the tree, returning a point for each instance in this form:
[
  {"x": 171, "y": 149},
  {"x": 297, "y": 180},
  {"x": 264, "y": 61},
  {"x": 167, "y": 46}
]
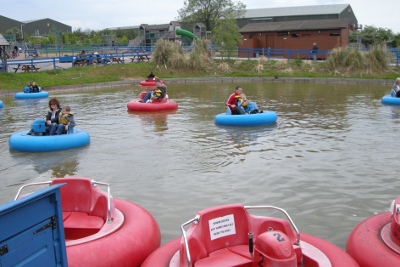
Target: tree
[
  {"x": 208, "y": 11},
  {"x": 226, "y": 34},
  {"x": 371, "y": 35}
]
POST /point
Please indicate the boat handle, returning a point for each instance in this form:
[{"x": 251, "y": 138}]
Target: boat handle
[
  {"x": 28, "y": 185},
  {"x": 94, "y": 183},
  {"x": 284, "y": 212},
  {"x": 109, "y": 219},
  {"x": 195, "y": 220}
]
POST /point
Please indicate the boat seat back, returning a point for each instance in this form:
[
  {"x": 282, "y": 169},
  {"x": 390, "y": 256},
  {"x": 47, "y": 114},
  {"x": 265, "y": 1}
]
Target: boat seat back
[
  {"x": 79, "y": 195},
  {"x": 218, "y": 227}
]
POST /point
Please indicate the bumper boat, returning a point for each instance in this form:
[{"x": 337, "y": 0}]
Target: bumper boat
[
  {"x": 100, "y": 230},
  {"x": 390, "y": 100},
  {"x": 24, "y": 142},
  {"x": 246, "y": 120},
  {"x": 375, "y": 242},
  {"x": 149, "y": 82},
  {"x": 163, "y": 104},
  {"x": 229, "y": 236}
]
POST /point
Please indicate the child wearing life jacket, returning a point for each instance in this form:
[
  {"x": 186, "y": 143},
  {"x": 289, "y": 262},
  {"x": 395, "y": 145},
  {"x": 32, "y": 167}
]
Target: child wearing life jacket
[
  {"x": 246, "y": 106},
  {"x": 66, "y": 122}
]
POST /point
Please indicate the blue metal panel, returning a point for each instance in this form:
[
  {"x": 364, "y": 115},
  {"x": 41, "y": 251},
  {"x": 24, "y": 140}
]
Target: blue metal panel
[{"x": 32, "y": 230}]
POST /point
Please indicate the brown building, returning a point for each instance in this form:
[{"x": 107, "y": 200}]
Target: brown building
[
  {"x": 297, "y": 27},
  {"x": 298, "y": 35}
]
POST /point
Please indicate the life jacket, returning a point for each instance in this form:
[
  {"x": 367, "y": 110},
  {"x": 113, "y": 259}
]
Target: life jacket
[
  {"x": 63, "y": 118},
  {"x": 157, "y": 93}
]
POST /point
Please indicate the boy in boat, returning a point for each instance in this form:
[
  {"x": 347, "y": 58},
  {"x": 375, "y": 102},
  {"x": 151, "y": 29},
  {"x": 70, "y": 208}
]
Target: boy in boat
[
  {"x": 396, "y": 88},
  {"x": 156, "y": 92},
  {"x": 66, "y": 122},
  {"x": 34, "y": 88},
  {"x": 150, "y": 76}
]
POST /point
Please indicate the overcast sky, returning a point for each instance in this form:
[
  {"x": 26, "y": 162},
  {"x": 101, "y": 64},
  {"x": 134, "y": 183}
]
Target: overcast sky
[{"x": 100, "y": 14}]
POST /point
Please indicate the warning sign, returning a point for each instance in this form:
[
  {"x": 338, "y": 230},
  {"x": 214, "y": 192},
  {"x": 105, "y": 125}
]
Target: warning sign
[{"x": 222, "y": 226}]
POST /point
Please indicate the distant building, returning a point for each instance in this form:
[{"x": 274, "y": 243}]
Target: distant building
[
  {"x": 297, "y": 27},
  {"x": 39, "y": 27}
]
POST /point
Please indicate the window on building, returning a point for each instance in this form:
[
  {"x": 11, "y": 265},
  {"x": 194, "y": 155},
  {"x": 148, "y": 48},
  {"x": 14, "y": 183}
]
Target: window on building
[
  {"x": 295, "y": 35},
  {"x": 335, "y": 34},
  {"x": 282, "y": 33}
]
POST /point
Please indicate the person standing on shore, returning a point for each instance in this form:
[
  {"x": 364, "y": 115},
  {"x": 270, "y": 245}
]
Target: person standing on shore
[{"x": 314, "y": 51}]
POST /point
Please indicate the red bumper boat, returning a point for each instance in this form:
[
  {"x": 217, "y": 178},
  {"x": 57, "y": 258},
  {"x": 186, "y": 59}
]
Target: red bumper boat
[
  {"x": 100, "y": 230},
  {"x": 149, "y": 82},
  {"x": 375, "y": 242},
  {"x": 163, "y": 104},
  {"x": 229, "y": 236}
]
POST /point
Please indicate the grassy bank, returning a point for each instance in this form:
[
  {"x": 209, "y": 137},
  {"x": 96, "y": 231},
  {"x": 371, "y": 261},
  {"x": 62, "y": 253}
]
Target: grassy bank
[{"x": 216, "y": 68}]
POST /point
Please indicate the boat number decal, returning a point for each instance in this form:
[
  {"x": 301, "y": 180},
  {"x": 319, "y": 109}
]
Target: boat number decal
[
  {"x": 222, "y": 226},
  {"x": 261, "y": 261},
  {"x": 279, "y": 238}
]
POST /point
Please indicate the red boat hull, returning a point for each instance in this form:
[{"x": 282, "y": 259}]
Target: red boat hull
[
  {"x": 129, "y": 246},
  {"x": 366, "y": 246},
  {"x": 149, "y": 82},
  {"x": 167, "y": 105}
]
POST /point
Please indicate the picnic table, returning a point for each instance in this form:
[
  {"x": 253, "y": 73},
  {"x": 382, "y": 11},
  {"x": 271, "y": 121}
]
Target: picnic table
[
  {"x": 117, "y": 59},
  {"x": 140, "y": 57},
  {"x": 26, "y": 68}
]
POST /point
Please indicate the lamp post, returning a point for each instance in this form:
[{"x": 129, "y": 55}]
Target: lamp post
[{"x": 22, "y": 33}]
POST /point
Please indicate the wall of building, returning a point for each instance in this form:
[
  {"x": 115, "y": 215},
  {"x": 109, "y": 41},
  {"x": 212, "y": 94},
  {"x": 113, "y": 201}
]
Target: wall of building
[{"x": 326, "y": 40}]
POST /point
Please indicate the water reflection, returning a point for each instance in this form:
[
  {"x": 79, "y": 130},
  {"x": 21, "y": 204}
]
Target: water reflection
[
  {"x": 246, "y": 136},
  {"x": 59, "y": 163},
  {"x": 158, "y": 119}
]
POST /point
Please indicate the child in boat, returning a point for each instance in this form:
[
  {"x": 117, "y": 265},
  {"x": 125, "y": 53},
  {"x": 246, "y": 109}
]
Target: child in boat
[
  {"x": 246, "y": 106},
  {"x": 396, "y": 88},
  {"x": 34, "y": 88},
  {"x": 161, "y": 87},
  {"x": 66, "y": 122},
  {"x": 150, "y": 76}
]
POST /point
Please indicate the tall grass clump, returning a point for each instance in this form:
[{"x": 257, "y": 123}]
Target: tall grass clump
[
  {"x": 354, "y": 61},
  {"x": 200, "y": 56},
  {"x": 168, "y": 54},
  {"x": 377, "y": 59}
]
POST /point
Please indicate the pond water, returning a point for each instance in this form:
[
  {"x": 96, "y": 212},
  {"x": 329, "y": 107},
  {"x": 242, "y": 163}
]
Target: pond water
[{"x": 330, "y": 160}]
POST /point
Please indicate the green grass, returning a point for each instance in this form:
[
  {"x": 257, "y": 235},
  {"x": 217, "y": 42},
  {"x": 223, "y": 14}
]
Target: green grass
[{"x": 216, "y": 68}]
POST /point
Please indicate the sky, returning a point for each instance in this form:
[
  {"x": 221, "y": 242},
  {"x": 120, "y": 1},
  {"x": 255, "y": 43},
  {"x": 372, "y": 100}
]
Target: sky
[{"x": 99, "y": 15}]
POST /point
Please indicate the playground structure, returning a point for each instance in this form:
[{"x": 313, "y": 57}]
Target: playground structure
[{"x": 186, "y": 33}]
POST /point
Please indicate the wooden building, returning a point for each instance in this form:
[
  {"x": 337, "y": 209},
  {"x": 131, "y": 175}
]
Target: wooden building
[
  {"x": 328, "y": 34},
  {"x": 297, "y": 27}
]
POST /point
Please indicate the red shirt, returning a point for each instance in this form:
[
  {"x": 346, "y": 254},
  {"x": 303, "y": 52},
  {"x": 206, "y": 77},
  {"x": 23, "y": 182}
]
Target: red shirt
[{"x": 231, "y": 100}]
